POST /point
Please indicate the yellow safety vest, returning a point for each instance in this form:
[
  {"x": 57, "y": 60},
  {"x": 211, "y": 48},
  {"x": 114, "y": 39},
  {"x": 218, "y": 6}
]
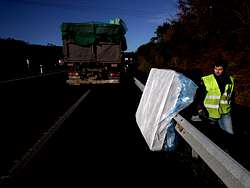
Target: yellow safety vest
[{"x": 215, "y": 102}]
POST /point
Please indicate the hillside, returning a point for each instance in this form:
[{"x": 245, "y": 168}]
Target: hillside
[
  {"x": 14, "y": 55},
  {"x": 201, "y": 64},
  {"x": 203, "y": 32}
]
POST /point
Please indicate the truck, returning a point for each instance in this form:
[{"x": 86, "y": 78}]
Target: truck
[{"x": 92, "y": 51}]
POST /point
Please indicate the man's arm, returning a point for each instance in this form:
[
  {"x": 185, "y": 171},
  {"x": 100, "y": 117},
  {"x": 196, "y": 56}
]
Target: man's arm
[
  {"x": 199, "y": 98},
  {"x": 233, "y": 96}
]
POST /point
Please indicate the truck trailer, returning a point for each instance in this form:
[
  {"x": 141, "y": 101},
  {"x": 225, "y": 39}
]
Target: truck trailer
[{"x": 93, "y": 51}]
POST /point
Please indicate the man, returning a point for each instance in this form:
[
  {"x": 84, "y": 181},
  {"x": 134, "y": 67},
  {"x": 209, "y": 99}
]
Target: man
[{"x": 215, "y": 97}]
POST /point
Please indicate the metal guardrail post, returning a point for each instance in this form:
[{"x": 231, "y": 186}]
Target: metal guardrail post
[{"x": 233, "y": 174}]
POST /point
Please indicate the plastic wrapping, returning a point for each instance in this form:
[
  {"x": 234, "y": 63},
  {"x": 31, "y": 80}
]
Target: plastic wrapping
[
  {"x": 187, "y": 92},
  {"x": 166, "y": 93}
]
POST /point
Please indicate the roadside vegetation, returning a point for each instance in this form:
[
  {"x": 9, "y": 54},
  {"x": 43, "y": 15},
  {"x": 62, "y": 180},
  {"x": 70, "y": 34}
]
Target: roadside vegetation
[{"x": 203, "y": 32}]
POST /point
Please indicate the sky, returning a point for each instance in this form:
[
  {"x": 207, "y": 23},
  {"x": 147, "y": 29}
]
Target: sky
[{"x": 39, "y": 21}]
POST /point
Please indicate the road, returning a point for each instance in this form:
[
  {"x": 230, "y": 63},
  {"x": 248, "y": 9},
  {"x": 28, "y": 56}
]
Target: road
[
  {"x": 101, "y": 144},
  {"x": 29, "y": 108}
]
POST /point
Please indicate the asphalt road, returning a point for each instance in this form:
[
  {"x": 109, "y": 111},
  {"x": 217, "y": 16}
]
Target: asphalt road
[
  {"x": 28, "y": 108},
  {"x": 101, "y": 144}
]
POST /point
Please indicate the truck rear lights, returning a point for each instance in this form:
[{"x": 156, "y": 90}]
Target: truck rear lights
[
  {"x": 73, "y": 74},
  {"x": 115, "y": 74}
]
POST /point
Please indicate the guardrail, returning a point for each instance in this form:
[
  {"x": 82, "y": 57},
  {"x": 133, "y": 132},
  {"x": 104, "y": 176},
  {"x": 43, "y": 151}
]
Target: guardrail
[{"x": 233, "y": 174}]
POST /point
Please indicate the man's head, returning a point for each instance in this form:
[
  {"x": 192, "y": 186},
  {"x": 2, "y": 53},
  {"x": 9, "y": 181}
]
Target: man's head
[{"x": 219, "y": 67}]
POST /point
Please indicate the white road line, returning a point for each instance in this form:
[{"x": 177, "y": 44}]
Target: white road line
[
  {"x": 28, "y": 156},
  {"x": 30, "y": 77}
]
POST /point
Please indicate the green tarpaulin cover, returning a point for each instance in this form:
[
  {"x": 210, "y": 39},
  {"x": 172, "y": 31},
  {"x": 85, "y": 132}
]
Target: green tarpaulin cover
[{"x": 88, "y": 33}]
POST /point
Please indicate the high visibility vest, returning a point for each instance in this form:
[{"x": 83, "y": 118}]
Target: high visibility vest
[{"x": 215, "y": 102}]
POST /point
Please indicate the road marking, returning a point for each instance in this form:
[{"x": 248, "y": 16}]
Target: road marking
[{"x": 28, "y": 156}]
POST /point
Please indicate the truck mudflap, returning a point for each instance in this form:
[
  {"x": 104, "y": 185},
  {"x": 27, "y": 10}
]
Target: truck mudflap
[{"x": 79, "y": 81}]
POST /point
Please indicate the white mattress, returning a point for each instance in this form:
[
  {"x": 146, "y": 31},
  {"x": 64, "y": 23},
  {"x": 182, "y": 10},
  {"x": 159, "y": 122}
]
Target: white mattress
[{"x": 156, "y": 106}]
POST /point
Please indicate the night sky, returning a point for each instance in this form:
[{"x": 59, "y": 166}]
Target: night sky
[{"x": 38, "y": 22}]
